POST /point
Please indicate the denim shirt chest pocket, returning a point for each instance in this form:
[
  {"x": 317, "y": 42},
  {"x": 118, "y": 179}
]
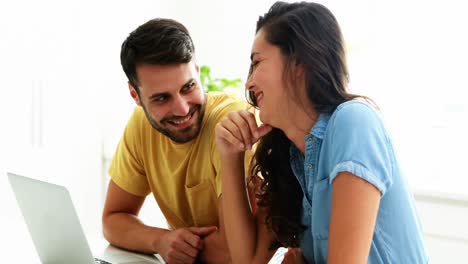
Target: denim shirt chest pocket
[
  {"x": 316, "y": 201},
  {"x": 315, "y": 217},
  {"x": 320, "y": 211},
  {"x": 318, "y": 190}
]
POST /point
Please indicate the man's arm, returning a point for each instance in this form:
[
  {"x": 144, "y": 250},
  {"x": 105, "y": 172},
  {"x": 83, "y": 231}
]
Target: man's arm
[
  {"x": 121, "y": 225},
  {"x": 216, "y": 250},
  {"x": 122, "y": 228}
]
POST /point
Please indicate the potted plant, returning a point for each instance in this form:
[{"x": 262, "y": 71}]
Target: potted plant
[{"x": 211, "y": 84}]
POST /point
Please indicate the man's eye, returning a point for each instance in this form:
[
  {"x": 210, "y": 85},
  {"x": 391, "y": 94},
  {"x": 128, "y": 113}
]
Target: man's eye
[
  {"x": 160, "y": 99},
  {"x": 189, "y": 87}
]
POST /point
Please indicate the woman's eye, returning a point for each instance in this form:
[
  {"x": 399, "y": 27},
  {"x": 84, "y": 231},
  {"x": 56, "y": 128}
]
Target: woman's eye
[{"x": 252, "y": 67}]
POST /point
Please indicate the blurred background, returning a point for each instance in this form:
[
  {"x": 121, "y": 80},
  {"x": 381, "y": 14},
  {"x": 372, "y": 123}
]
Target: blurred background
[{"x": 64, "y": 98}]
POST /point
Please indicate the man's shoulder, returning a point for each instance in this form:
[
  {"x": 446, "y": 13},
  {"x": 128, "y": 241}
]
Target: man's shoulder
[
  {"x": 223, "y": 96},
  {"x": 218, "y": 106},
  {"x": 138, "y": 112},
  {"x": 138, "y": 129},
  {"x": 219, "y": 101},
  {"x": 137, "y": 118}
]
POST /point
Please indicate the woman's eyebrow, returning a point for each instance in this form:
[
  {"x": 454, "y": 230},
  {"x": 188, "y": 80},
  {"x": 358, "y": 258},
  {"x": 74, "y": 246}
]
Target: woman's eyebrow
[{"x": 253, "y": 54}]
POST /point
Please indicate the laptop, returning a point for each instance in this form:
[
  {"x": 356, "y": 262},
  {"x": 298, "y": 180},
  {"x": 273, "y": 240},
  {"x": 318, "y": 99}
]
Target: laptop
[{"x": 54, "y": 225}]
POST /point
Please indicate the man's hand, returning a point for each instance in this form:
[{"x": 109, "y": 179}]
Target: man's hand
[
  {"x": 183, "y": 245},
  {"x": 216, "y": 250}
]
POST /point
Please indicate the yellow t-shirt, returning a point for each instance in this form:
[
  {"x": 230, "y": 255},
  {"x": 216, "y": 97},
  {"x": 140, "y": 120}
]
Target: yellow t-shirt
[{"x": 184, "y": 178}]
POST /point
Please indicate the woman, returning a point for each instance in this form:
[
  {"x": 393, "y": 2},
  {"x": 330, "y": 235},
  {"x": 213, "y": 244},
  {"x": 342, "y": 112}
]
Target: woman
[{"x": 329, "y": 186}]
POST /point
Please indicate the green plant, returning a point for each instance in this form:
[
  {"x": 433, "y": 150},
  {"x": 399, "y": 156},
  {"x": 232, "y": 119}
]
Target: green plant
[{"x": 217, "y": 84}]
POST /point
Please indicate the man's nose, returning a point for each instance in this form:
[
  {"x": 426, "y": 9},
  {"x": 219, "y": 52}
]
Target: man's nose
[{"x": 180, "y": 106}]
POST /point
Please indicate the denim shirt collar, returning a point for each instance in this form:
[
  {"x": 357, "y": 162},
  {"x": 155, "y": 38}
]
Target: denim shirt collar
[{"x": 318, "y": 131}]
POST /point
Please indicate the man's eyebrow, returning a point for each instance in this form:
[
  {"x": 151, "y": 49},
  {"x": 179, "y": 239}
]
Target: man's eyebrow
[
  {"x": 167, "y": 94},
  {"x": 253, "y": 54}
]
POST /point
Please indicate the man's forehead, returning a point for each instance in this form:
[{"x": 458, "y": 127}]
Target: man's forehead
[
  {"x": 166, "y": 75},
  {"x": 160, "y": 69}
]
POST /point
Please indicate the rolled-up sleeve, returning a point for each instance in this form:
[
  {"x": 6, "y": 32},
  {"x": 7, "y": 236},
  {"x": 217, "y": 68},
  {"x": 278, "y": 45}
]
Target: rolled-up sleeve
[{"x": 360, "y": 145}]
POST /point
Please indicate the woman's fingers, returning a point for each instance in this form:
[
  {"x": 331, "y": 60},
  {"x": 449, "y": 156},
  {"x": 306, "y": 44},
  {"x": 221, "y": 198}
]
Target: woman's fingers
[
  {"x": 252, "y": 122},
  {"x": 247, "y": 126},
  {"x": 240, "y": 130},
  {"x": 225, "y": 132}
]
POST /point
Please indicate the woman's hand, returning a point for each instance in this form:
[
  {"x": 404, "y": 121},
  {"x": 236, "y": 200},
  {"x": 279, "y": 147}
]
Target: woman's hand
[
  {"x": 247, "y": 236},
  {"x": 293, "y": 256},
  {"x": 237, "y": 132}
]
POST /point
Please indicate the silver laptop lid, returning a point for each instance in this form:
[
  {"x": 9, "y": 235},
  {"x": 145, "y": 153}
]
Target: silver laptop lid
[{"x": 51, "y": 220}]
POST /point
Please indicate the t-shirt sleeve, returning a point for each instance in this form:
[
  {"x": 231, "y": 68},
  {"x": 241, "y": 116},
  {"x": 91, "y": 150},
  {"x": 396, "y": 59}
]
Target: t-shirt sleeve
[
  {"x": 217, "y": 163},
  {"x": 127, "y": 168},
  {"x": 231, "y": 104},
  {"x": 361, "y": 146}
]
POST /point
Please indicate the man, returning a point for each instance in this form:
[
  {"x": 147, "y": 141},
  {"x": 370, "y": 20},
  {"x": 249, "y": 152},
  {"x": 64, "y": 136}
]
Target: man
[{"x": 168, "y": 149}]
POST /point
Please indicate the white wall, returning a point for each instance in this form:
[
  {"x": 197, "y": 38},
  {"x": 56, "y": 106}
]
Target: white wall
[{"x": 63, "y": 93}]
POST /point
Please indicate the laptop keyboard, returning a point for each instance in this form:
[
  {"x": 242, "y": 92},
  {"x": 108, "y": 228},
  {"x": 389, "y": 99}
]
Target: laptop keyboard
[{"x": 100, "y": 261}]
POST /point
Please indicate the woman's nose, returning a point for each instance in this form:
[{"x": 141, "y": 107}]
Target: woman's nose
[{"x": 249, "y": 84}]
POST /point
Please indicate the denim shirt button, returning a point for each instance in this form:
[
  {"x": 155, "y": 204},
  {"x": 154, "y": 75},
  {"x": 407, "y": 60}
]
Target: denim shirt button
[{"x": 309, "y": 166}]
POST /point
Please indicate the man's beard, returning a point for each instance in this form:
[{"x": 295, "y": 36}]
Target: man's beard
[{"x": 185, "y": 134}]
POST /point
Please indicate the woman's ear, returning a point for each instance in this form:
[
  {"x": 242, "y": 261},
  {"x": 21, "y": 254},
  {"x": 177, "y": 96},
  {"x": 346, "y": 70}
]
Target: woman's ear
[
  {"x": 134, "y": 94},
  {"x": 299, "y": 70}
]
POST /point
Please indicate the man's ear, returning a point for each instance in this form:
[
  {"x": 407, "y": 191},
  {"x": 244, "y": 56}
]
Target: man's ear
[{"x": 134, "y": 94}]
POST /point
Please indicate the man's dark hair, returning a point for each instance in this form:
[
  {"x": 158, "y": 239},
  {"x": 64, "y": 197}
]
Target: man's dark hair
[{"x": 158, "y": 41}]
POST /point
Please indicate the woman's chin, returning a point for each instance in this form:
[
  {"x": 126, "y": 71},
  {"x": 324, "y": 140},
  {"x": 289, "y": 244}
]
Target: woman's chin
[{"x": 264, "y": 118}]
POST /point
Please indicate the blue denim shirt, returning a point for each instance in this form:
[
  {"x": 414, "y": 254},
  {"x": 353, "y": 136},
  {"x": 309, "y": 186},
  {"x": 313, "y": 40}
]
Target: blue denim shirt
[{"x": 354, "y": 139}]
